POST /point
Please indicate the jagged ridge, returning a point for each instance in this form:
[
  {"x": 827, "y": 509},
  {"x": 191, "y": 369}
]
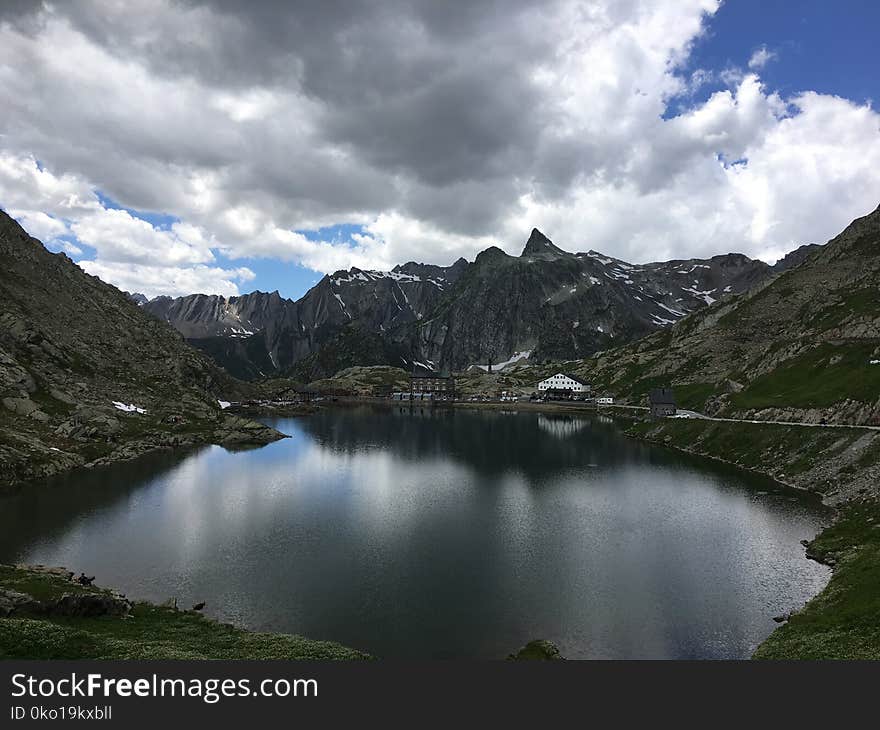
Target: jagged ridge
[{"x": 547, "y": 302}]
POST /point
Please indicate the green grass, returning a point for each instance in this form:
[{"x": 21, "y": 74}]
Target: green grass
[
  {"x": 861, "y": 301},
  {"x": 740, "y": 443},
  {"x": 42, "y": 586},
  {"x": 150, "y": 632},
  {"x": 843, "y": 621},
  {"x": 821, "y": 377},
  {"x": 693, "y": 396}
]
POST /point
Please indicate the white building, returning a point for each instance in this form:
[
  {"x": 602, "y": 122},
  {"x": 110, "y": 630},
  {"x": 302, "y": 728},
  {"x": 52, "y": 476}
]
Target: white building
[
  {"x": 605, "y": 400},
  {"x": 561, "y": 381}
]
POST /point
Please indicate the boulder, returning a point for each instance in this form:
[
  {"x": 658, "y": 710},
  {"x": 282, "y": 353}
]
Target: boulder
[
  {"x": 237, "y": 430},
  {"x": 62, "y": 396},
  {"x": 12, "y": 602},
  {"x": 20, "y": 406},
  {"x": 105, "y": 424},
  {"x": 90, "y": 605}
]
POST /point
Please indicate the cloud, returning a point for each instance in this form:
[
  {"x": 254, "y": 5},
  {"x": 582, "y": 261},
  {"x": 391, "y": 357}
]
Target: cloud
[
  {"x": 760, "y": 58},
  {"x": 126, "y": 251},
  {"x": 436, "y": 132},
  {"x": 172, "y": 281},
  {"x": 41, "y": 225},
  {"x": 118, "y": 236}
]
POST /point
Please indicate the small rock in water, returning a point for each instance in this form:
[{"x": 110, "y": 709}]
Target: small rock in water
[{"x": 539, "y": 649}]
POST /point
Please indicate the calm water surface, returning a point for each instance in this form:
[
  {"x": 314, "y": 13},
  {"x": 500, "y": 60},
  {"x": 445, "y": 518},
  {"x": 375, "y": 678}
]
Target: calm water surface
[{"x": 441, "y": 533}]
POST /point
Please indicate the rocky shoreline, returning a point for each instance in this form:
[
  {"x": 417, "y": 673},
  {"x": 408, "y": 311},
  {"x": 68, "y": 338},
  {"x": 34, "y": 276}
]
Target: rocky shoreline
[
  {"x": 28, "y": 456},
  {"x": 836, "y": 464}
]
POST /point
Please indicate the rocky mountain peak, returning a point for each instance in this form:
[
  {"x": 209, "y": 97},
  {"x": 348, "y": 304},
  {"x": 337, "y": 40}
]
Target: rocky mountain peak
[
  {"x": 795, "y": 258},
  {"x": 539, "y": 244},
  {"x": 490, "y": 255}
]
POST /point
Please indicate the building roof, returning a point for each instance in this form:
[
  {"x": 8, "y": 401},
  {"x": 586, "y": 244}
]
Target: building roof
[
  {"x": 570, "y": 377},
  {"x": 662, "y": 395}
]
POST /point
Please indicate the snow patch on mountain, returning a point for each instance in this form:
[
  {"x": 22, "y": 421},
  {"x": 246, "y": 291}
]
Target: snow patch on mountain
[
  {"x": 127, "y": 407},
  {"x": 517, "y": 356}
]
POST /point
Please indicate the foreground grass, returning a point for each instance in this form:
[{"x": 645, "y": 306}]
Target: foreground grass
[
  {"x": 843, "y": 621},
  {"x": 149, "y": 632}
]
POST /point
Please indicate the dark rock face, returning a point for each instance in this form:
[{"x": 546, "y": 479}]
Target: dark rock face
[
  {"x": 63, "y": 331},
  {"x": 263, "y": 334},
  {"x": 547, "y": 302},
  {"x": 795, "y": 258},
  {"x": 541, "y": 246}
]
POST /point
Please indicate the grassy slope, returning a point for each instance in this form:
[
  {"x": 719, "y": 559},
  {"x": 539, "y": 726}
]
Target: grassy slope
[
  {"x": 363, "y": 380},
  {"x": 787, "y": 453},
  {"x": 151, "y": 632},
  {"x": 821, "y": 377}
]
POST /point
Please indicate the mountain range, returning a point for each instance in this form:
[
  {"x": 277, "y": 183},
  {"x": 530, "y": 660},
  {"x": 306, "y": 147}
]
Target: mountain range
[{"x": 544, "y": 304}]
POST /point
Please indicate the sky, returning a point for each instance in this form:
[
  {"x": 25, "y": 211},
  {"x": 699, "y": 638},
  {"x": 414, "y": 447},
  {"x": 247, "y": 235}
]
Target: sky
[{"x": 182, "y": 146}]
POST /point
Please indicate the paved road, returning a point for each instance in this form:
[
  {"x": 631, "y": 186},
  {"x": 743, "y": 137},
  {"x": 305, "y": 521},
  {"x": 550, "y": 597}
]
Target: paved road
[{"x": 703, "y": 417}]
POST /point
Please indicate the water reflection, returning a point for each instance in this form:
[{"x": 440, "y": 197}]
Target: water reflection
[
  {"x": 562, "y": 426},
  {"x": 436, "y": 532}
]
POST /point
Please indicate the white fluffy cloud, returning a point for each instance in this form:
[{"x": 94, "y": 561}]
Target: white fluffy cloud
[
  {"x": 41, "y": 225},
  {"x": 118, "y": 236},
  {"x": 127, "y": 251},
  {"x": 170, "y": 280},
  {"x": 760, "y": 58},
  {"x": 439, "y": 134}
]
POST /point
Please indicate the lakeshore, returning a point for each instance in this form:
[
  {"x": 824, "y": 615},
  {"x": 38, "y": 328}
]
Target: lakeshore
[{"x": 105, "y": 625}]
